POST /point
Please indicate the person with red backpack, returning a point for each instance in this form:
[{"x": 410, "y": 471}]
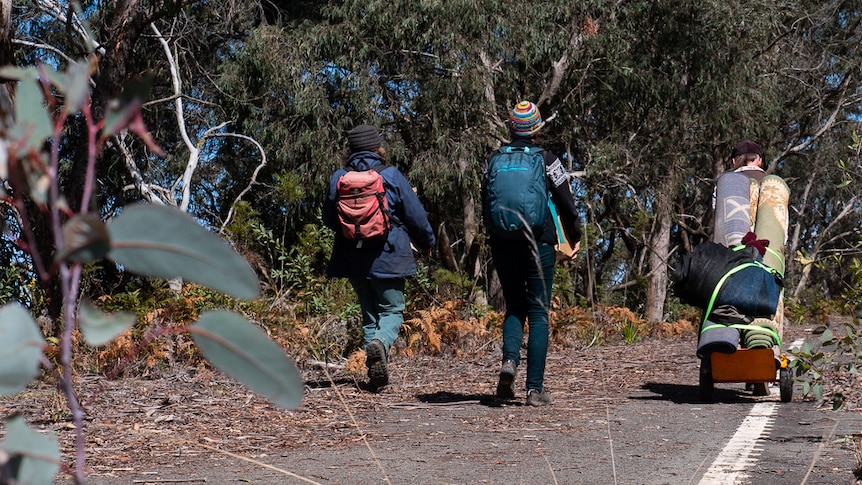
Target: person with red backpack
[
  {"x": 375, "y": 215},
  {"x": 519, "y": 180}
]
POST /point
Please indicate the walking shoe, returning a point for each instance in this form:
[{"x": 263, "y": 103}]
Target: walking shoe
[
  {"x": 375, "y": 360},
  {"x": 539, "y": 398},
  {"x": 506, "y": 384}
]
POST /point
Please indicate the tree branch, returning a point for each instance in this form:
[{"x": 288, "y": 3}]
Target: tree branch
[{"x": 251, "y": 182}]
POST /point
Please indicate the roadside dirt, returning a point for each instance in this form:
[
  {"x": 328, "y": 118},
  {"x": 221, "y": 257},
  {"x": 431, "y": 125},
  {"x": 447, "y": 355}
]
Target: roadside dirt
[{"x": 139, "y": 428}]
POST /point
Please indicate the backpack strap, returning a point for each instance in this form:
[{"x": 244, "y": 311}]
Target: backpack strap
[
  {"x": 525, "y": 149},
  {"x": 377, "y": 168}
]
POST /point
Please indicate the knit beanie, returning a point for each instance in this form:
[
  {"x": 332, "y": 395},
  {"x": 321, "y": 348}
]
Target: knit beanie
[
  {"x": 363, "y": 138},
  {"x": 525, "y": 120}
]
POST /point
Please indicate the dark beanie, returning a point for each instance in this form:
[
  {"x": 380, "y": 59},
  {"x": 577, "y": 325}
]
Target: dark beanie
[
  {"x": 744, "y": 147},
  {"x": 363, "y": 138}
]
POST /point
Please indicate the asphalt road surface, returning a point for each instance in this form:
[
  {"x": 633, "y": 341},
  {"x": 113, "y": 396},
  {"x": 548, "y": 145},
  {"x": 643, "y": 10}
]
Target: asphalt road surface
[{"x": 656, "y": 431}]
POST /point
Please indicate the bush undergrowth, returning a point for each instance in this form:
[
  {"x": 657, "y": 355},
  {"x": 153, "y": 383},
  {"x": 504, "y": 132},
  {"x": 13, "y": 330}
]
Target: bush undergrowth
[{"x": 454, "y": 327}]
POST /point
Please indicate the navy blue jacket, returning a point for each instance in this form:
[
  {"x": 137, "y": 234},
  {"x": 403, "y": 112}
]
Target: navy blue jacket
[{"x": 409, "y": 222}]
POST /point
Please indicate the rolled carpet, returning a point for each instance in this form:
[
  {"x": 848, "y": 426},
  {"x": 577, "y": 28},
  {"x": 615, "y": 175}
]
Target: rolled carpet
[
  {"x": 772, "y": 219},
  {"x": 732, "y": 208},
  {"x": 717, "y": 338},
  {"x": 764, "y": 338}
]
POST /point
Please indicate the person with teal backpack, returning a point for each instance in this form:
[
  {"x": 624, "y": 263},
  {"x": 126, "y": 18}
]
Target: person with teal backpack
[{"x": 519, "y": 181}]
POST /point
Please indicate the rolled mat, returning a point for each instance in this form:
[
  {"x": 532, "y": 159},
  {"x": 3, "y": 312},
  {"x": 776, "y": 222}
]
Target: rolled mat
[
  {"x": 717, "y": 338},
  {"x": 732, "y": 208},
  {"x": 754, "y": 338},
  {"x": 772, "y": 219},
  {"x": 753, "y": 199}
]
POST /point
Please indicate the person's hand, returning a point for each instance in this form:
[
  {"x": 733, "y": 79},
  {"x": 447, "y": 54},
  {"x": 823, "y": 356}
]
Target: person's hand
[
  {"x": 576, "y": 248},
  {"x": 421, "y": 253}
]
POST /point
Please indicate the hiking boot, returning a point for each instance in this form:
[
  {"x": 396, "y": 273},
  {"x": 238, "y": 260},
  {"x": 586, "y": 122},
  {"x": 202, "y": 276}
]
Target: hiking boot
[
  {"x": 375, "y": 360},
  {"x": 506, "y": 384},
  {"x": 539, "y": 398}
]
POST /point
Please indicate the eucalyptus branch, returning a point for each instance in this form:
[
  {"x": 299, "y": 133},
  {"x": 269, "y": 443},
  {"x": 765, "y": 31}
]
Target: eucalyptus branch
[
  {"x": 827, "y": 125},
  {"x": 70, "y": 274},
  {"x": 139, "y": 185},
  {"x": 47, "y": 47},
  {"x": 55, "y": 9},
  {"x": 251, "y": 182}
]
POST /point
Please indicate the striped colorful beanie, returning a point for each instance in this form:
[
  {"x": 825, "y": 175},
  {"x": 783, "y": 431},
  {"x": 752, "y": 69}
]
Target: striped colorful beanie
[{"x": 525, "y": 120}]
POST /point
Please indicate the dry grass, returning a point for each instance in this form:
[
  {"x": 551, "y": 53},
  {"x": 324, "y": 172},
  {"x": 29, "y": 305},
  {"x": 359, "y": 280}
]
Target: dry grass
[{"x": 158, "y": 342}]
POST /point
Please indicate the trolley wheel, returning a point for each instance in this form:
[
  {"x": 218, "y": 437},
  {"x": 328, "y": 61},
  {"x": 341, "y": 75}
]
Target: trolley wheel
[
  {"x": 706, "y": 383},
  {"x": 760, "y": 389},
  {"x": 785, "y": 384}
]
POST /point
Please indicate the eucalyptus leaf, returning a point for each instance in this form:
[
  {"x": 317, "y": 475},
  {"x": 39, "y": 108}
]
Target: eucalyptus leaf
[
  {"x": 817, "y": 389},
  {"x": 32, "y": 123},
  {"x": 21, "y": 348},
  {"x": 166, "y": 242},
  {"x": 241, "y": 350},
  {"x": 117, "y": 118},
  {"x": 85, "y": 238},
  {"x": 40, "y": 453},
  {"x": 100, "y": 328},
  {"x": 126, "y": 108},
  {"x": 57, "y": 79},
  {"x": 19, "y": 73},
  {"x": 77, "y": 86}
]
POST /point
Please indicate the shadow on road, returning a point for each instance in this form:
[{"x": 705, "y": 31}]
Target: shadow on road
[
  {"x": 324, "y": 383},
  {"x": 443, "y": 397},
  {"x": 690, "y": 394}
]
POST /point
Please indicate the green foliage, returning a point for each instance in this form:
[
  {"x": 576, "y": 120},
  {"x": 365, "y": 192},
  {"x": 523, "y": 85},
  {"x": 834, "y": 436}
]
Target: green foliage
[
  {"x": 289, "y": 188},
  {"x": 21, "y": 350},
  {"x": 630, "y": 331},
  {"x": 39, "y": 453},
  {"x": 151, "y": 240},
  {"x": 239, "y": 348},
  {"x": 838, "y": 351},
  {"x": 676, "y": 311},
  {"x": 565, "y": 284},
  {"x": 296, "y": 271},
  {"x": 440, "y": 284},
  {"x": 18, "y": 283},
  {"x": 100, "y": 328},
  {"x": 163, "y": 242}
]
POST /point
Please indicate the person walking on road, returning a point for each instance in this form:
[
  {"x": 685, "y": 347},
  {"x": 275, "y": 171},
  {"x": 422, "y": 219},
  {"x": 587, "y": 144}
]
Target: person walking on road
[
  {"x": 519, "y": 178},
  {"x": 375, "y": 215}
]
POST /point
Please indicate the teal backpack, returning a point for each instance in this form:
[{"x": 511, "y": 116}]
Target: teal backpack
[{"x": 516, "y": 194}]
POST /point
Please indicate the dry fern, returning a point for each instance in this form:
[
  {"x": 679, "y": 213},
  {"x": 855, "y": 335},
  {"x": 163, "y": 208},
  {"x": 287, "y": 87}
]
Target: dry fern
[{"x": 444, "y": 327}]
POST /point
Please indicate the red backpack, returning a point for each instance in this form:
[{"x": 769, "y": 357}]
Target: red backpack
[{"x": 362, "y": 208}]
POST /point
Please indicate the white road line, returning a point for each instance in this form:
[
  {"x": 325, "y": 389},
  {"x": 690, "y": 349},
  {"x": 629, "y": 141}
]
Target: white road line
[{"x": 742, "y": 450}]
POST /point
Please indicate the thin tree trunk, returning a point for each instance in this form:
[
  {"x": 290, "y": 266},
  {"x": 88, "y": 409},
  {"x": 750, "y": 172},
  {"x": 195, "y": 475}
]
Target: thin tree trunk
[{"x": 659, "y": 253}]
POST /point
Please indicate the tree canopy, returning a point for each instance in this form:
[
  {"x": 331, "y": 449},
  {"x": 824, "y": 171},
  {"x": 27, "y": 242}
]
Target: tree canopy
[{"x": 250, "y": 101}]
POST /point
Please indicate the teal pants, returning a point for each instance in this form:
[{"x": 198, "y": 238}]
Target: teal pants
[
  {"x": 382, "y": 303},
  {"x": 526, "y": 274}
]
